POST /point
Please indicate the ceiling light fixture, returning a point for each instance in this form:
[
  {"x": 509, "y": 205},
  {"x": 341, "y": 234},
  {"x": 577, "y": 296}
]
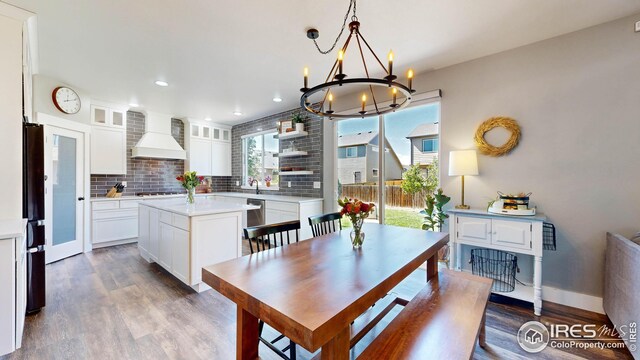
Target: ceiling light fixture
[
  {"x": 337, "y": 78},
  {"x": 277, "y": 99},
  {"x": 237, "y": 113},
  {"x": 134, "y": 105},
  {"x": 207, "y": 119},
  {"x": 162, "y": 83}
]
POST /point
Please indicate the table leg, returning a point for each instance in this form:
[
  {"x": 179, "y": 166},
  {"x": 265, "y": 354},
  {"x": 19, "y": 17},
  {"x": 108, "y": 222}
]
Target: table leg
[
  {"x": 246, "y": 336},
  {"x": 338, "y": 347},
  {"x": 537, "y": 285},
  {"x": 432, "y": 267}
]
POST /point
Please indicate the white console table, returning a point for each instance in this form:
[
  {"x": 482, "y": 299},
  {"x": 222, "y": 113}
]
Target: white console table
[{"x": 515, "y": 234}]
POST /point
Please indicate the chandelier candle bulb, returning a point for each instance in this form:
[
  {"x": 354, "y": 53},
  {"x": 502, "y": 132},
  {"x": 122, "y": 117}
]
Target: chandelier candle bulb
[
  {"x": 390, "y": 63},
  {"x": 340, "y": 58},
  {"x": 330, "y": 100},
  {"x": 410, "y": 77},
  {"x": 306, "y": 77},
  {"x": 364, "y": 101},
  {"x": 395, "y": 94}
]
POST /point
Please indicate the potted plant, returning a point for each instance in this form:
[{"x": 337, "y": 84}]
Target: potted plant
[
  {"x": 435, "y": 217},
  {"x": 267, "y": 180},
  {"x": 298, "y": 121},
  {"x": 189, "y": 180}
]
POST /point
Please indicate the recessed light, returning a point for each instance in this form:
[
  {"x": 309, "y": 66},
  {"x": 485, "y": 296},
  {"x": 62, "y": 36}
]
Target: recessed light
[
  {"x": 237, "y": 113},
  {"x": 207, "y": 119},
  {"x": 162, "y": 83},
  {"x": 134, "y": 105},
  {"x": 277, "y": 99}
]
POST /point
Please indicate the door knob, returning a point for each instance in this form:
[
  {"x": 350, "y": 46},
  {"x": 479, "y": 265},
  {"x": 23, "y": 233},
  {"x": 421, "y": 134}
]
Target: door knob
[{"x": 81, "y": 198}]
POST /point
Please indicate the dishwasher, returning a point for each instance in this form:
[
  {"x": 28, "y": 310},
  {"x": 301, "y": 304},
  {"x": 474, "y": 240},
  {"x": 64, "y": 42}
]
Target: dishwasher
[{"x": 255, "y": 217}]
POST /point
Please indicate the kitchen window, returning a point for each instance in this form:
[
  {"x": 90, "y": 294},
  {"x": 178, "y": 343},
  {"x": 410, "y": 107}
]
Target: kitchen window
[
  {"x": 258, "y": 160},
  {"x": 430, "y": 145},
  {"x": 352, "y": 152}
]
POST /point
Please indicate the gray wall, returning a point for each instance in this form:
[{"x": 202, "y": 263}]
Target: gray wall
[
  {"x": 577, "y": 100},
  {"x": 300, "y": 185}
]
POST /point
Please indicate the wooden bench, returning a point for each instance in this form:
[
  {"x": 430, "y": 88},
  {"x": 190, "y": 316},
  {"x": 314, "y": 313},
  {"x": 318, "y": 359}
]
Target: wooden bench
[{"x": 442, "y": 322}]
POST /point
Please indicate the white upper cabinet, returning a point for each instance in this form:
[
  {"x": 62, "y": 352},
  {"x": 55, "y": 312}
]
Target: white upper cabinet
[
  {"x": 208, "y": 148},
  {"x": 106, "y": 116},
  {"x": 108, "y": 139}
]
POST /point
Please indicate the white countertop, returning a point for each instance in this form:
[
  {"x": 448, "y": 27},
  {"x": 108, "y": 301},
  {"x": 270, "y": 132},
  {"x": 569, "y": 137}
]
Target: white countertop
[
  {"x": 12, "y": 228},
  {"x": 199, "y": 208},
  {"x": 291, "y": 199}
]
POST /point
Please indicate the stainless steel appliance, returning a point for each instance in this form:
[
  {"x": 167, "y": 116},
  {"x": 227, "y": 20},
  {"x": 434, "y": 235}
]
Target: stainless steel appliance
[
  {"x": 255, "y": 217},
  {"x": 33, "y": 211}
]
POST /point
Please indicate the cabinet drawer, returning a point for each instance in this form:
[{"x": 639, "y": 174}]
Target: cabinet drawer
[
  {"x": 472, "y": 229},
  {"x": 105, "y": 205},
  {"x": 105, "y": 230},
  {"x": 181, "y": 222},
  {"x": 166, "y": 217},
  {"x": 129, "y": 204},
  {"x": 114, "y": 214},
  {"x": 282, "y": 206}
]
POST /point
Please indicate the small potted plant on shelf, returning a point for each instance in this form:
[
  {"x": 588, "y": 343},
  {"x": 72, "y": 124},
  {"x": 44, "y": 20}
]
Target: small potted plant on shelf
[
  {"x": 267, "y": 180},
  {"x": 298, "y": 121}
]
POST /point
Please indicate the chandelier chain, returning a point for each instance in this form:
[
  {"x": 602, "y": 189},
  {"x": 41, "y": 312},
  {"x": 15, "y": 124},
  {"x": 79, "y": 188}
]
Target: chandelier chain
[{"x": 352, "y": 4}]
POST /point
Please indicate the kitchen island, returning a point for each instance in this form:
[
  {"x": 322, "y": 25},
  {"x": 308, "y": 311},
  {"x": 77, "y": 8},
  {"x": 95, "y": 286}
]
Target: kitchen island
[{"x": 183, "y": 238}]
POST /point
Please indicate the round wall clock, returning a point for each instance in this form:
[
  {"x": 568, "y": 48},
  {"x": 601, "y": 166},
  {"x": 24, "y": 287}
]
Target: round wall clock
[{"x": 66, "y": 100}]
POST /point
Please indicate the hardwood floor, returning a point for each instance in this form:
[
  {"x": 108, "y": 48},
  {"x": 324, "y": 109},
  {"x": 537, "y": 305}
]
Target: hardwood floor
[{"x": 111, "y": 304}]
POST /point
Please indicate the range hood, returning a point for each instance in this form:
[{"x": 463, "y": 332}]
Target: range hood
[{"x": 157, "y": 141}]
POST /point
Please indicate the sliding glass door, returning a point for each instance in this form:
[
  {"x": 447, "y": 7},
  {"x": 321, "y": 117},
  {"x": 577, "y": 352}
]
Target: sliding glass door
[{"x": 394, "y": 169}]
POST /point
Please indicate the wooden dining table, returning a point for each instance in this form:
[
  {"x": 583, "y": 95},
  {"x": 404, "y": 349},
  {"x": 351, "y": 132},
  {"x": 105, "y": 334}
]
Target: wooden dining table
[{"x": 313, "y": 290}]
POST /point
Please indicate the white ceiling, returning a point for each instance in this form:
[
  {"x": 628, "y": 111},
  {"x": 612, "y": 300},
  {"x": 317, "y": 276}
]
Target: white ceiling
[{"x": 226, "y": 56}]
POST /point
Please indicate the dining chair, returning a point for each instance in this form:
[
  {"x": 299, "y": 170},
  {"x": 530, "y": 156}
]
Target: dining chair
[
  {"x": 268, "y": 236},
  {"x": 325, "y": 224}
]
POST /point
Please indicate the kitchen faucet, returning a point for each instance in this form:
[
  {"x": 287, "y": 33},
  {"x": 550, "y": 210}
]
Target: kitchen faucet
[{"x": 251, "y": 182}]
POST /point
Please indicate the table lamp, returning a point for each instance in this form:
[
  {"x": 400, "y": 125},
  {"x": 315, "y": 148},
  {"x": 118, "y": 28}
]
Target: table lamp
[{"x": 461, "y": 163}]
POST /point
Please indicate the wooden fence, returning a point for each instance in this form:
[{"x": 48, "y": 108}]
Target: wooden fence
[{"x": 395, "y": 196}]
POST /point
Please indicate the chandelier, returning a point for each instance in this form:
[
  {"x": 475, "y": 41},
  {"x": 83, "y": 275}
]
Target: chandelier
[{"x": 396, "y": 94}]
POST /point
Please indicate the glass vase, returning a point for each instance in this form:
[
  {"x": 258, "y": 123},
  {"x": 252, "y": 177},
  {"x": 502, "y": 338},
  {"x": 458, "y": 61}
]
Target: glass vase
[
  {"x": 357, "y": 235},
  {"x": 191, "y": 196}
]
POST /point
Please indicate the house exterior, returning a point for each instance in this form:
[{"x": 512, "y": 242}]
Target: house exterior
[
  {"x": 358, "y": 159},
  {"x": 424, "y": 144}
]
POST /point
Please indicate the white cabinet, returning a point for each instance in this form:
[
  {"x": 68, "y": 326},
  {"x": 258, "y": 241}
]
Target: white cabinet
[
  {"x": 108, "y": 150},
  {"x": 13, "y": 284},
  {"x": 220, "y": 158},
  {"x": 514, "y": 234},
  {"x": 182, "y": 245},
  {"x": 107, "y": 116},
  {"x": 114, "y": 222},
  {"x": 201, "y": 160},
  {"x": 281, "y": 211},
  {"x": 497, "y": 232},
  {"x": 208, "y": 148}
]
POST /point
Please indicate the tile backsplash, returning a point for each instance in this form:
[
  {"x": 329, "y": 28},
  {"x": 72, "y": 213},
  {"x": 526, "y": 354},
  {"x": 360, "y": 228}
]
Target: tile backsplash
[
  {"x": 149, "y": 175},
  {"x": 300, "y": 185}
]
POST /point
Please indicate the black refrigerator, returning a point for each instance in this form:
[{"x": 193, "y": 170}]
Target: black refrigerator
[{"x": 33, "y": 210}]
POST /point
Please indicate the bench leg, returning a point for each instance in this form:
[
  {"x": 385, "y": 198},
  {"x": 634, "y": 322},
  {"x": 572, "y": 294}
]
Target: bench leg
[
  {"x": 432, "y": 267},
  {"x": 482, "y": 336}
]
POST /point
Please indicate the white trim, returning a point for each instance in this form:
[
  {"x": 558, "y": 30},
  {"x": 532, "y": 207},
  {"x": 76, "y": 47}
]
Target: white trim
[
  {"x": 15, "y": 12},
  {"x": 572, "y": 299},
  {"x": 46, "y": 119},
  {"x": 259, "y": 133},
  {"x": 31, "y": 27}
]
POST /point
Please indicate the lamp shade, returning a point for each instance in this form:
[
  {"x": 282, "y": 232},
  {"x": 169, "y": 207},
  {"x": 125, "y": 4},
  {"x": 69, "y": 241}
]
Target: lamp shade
[{"x": 463, "y": 162}]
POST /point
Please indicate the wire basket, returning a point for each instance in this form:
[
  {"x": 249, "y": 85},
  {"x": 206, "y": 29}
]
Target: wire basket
[
  {"x": 548, "y": 236},
  {"x": 497, "y": 265}
]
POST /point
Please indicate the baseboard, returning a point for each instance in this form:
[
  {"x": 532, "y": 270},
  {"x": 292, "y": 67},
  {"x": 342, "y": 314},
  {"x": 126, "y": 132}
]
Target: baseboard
[
  {"x": 114, "y": 243},
  {"x": 573, "y": 299}
]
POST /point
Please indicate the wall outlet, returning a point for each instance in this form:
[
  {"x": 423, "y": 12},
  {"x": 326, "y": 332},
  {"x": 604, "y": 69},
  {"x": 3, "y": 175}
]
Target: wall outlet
[
  {"x": 237, "y": 183},
  {"x": 289, "y": 183},
  {"x": 316, "y": 184},
  {"x": 124, "y": 183},
  {"x": 637, "y": 26}
]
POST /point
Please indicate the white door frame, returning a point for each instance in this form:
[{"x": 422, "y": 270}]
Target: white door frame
[{"x": 46, "y": 119}]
